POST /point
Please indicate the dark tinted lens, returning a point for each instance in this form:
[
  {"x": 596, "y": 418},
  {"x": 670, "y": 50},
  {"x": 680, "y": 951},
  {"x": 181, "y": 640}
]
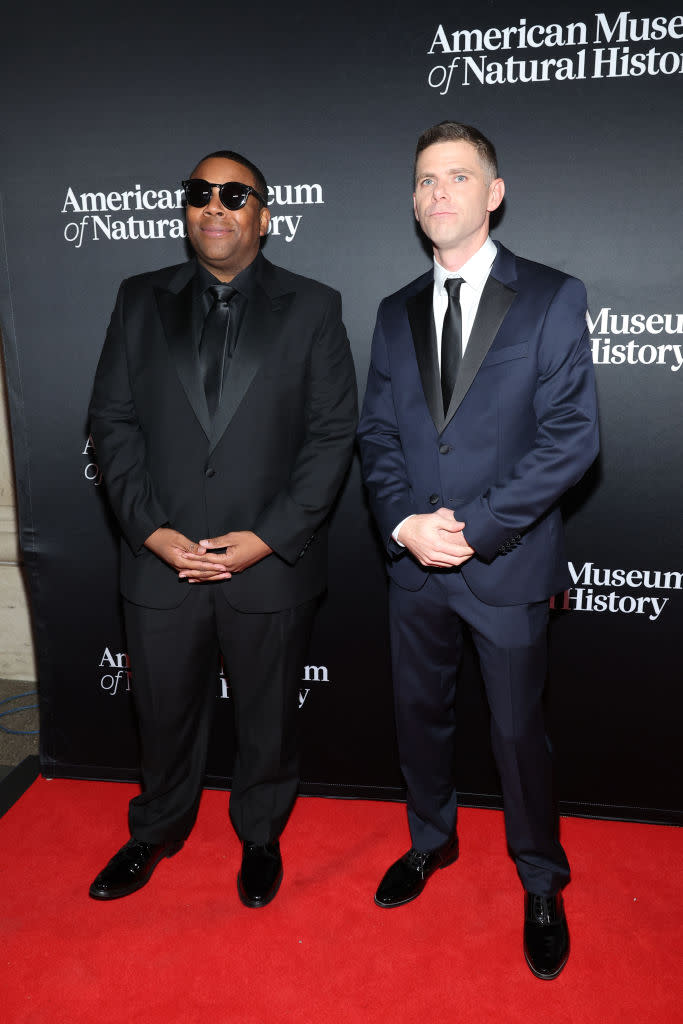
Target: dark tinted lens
[
  {"x": 233, "y": 195},
  {"x": 197, "y": 192}
]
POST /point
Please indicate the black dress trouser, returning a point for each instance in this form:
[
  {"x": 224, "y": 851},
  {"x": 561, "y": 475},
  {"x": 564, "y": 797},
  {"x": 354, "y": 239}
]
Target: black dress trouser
[{"x": 175, "y": 668}]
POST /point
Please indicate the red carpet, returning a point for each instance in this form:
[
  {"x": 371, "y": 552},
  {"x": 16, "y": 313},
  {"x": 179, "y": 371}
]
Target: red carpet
[{"x": 184, "y": 950}]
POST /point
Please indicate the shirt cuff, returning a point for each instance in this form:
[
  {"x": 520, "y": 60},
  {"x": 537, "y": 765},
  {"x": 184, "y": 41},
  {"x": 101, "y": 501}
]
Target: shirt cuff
[{"x": 396, "y": 530}]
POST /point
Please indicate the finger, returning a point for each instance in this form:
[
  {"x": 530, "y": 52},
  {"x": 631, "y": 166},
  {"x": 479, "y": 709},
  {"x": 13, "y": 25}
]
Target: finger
[
  {"x": 451, "y": 551},
  {"x": 203, "y": 565},
  {"x": 450, "y": 539},
  {"x": 449, "y": 515},
  {"x": 206, "y": 560},
  {"x": 437, "y": 524},
  {"x": 448, "y": 551},
  {"x": 437, "y": 558},
  {"x": 235, "y": 564},
  {"x": 214, "y": 542},
  {"x": 201, "y": 573},
  {"x": 197, "y": 576},
  {"x": 449, "y": 526}
]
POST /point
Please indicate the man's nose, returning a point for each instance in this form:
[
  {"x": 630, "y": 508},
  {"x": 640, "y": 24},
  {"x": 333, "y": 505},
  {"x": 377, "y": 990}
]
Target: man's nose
[
  {"x": 214, "y": 205},
  {"x": 440, "y": 190}
]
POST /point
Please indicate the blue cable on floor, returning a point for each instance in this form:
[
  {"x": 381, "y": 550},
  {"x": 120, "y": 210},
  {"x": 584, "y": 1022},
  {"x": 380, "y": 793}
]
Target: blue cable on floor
[{"x": 15, "y": 711}]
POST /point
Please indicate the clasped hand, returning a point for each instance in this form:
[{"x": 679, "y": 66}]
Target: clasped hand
[
  {"x": 436, "y": 539},
  {"x": 196, "y": 562}
]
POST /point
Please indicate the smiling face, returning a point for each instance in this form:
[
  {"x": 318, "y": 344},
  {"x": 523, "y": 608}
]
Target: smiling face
[
  {"x": 453, "y": 200},
  {"x": 226, "y": 241}
]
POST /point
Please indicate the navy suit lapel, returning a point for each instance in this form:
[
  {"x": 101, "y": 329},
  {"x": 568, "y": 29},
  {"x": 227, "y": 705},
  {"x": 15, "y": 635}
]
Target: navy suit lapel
[
  {"x": 495, "y": 301},
  {"x": 420, "y": 311},
  {"x": 175, "y": 310},
  {"x": 497, "y": 297}
]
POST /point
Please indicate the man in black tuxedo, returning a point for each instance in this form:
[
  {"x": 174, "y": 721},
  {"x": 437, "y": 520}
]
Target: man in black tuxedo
[
  {"x": 479, "y": 414},
  {"x": 223, "y": 413}
]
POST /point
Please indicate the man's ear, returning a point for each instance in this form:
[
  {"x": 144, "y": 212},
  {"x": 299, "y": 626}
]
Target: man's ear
[
  {"x": 264, "y": 220},
  {"x": 496, "y": 193}
]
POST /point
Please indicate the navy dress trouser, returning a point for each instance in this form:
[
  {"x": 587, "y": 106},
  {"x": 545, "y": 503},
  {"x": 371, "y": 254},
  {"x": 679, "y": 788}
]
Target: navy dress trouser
[{"x": 511, "y": 643}]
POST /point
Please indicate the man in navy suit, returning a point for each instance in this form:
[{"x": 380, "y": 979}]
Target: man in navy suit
[{"x": 480, "y": 413}]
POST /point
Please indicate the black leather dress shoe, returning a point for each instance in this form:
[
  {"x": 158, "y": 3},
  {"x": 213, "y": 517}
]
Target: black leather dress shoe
[
  {"x": 260, "y": 874},
  {"x": 408, "y": 876},
  {"x": 131, "y": 868},
  {"x": 546, "y": 936}
]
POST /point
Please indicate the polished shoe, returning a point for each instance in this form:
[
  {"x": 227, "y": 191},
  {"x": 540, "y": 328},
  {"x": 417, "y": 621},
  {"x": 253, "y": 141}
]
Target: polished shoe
[
  {"x": 406, "y": 879},
  {"x": 131, "y": 868},
  {"x": 546, "y": 936},
  {"x": 260, "y": 874}
]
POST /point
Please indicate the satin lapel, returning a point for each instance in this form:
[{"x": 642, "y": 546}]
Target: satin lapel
[
  {"x": 420, "y": 310},
  {"x": 175, "y": 310},
  {"x": 259, "y": 329},
  {"x": 495, "y": 301}
]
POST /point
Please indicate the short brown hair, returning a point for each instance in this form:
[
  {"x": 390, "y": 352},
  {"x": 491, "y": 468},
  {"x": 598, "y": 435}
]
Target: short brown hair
[{"x": 454, "y": 131}]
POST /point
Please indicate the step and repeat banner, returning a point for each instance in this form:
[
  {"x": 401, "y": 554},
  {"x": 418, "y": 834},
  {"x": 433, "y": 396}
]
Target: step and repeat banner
[{"x": 105, "y": 112}]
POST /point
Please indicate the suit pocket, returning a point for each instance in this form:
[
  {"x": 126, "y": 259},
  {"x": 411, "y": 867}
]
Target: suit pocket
[{"x": 502, "y": 355}]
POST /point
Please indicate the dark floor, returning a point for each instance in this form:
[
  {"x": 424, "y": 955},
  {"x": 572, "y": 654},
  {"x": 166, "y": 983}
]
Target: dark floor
[{"x": 13, "y": 746}]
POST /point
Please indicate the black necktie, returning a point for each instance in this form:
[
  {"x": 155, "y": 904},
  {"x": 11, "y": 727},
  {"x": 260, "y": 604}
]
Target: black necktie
[
  {"x": 451, "y": 341},
  {"x": 214, "y": 344}
]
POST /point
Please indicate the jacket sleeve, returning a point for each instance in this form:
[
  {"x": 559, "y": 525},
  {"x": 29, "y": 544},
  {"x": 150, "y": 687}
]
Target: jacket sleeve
[
  {"x": 119, "y": 441},
  {"x": 290, "y": 520},
  {"x": 384, "y": 466},
  {"x": 566, "y": 440}
]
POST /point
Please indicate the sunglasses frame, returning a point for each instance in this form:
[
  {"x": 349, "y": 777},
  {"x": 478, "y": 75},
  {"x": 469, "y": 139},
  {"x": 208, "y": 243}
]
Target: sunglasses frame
[{"x": 248, "y": 190}]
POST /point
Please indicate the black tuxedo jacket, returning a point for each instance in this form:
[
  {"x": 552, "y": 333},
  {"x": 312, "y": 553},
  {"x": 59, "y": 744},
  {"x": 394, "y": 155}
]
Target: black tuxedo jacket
[{"x": 274, "y": 457}]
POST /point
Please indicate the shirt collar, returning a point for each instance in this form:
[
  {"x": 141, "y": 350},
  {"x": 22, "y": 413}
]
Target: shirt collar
[
  {"x": 243, "y": 282},
  {"x": 474, "y": 272}
]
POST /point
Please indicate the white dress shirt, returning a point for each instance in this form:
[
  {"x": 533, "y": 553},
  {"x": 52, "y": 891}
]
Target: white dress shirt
[{"x": 474, "y": 275}]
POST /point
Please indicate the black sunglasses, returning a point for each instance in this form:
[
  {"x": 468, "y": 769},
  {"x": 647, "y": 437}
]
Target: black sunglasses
[{"x": 232, "y": 194}]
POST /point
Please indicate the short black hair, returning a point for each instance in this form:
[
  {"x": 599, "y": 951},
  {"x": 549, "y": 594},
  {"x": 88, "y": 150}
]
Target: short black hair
[
  {"x": 229, "y": 154},
  {"x": 454, "y": 131}
]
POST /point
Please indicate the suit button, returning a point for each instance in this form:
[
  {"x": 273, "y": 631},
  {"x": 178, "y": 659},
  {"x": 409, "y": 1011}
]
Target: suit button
[
  {"x": 433, "y": 499},
  {"x": 209, "y": 471},
  {"x": 444, "y": 449}
]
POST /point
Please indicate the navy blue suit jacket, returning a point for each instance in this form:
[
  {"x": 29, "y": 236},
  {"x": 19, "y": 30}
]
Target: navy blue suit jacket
[{"x": 520, "y": 430}]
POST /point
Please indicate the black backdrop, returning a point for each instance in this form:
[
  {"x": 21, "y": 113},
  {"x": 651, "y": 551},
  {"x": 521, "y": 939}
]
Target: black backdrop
[{"x": 584, "y": 107}]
